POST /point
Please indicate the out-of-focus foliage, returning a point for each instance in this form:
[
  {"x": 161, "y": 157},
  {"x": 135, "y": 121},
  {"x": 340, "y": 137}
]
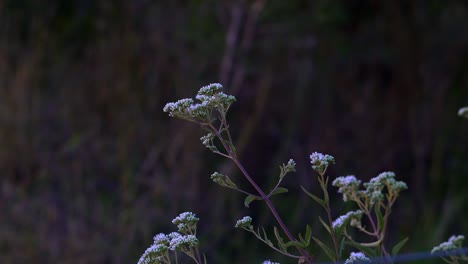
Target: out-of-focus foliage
[{"x": 92, "y": 168}]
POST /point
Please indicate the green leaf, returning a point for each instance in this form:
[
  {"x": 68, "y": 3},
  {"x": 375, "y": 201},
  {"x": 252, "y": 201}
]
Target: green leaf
[
  {"x": 278, "y": 191},
  {"x": 318, "y": 200},
  {"x": 342, "y": 245},
  {"x": 231, "y": 147},
  {"x": 279, "y": 238},
  {"x": 398, "y": 246},
  {"x": 230, "y": 183},
  {"x": 380, "y": 219},
  {"x": 368, "y": 251},
  {"x": 294, "y": 244},
  {"x": 308, "y": 235},
  {"x": 325, "y": 225},
  {"x": 249, "y": 199},
  {"x": 325, "y": 248}
]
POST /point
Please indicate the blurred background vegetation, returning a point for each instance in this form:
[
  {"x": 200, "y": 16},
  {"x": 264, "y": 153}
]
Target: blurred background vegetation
[{"x": 91, "y": 168}]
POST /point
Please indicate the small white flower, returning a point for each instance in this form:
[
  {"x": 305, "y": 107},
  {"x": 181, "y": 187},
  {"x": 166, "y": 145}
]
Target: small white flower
[
  {"x": 269, "y": 262},
  {"x": 358, "y": 257},
  {"x": 210, "y": 89},
  {"x": 347, "y": 185},
  {"x": 178, "y": 108},
  {"x": 291, "y": 164},
  {"x": 160, "y": 239},
  {"x": 245, "y": 222},
  {"x": 173, "y": 235},
  {"x": 186, "y": 217},
  {"x": 353, "y": 216},
  {"x": 454, "y": 242},
  {"x": 183, "y": 241},
  {"x": 321, "y": 161},
  {"x": 385, "y": 179},
  {"x": 152, "y": 253},
  {"x": 463, "y": 111}
]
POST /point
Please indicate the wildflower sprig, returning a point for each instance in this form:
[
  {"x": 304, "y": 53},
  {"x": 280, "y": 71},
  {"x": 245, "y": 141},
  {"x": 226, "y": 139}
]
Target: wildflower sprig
[
  {"x": 375, "y": 202},
  {"x": 284, "y": 169},
  {"x": 209, "y": 109},
  {"x": 184, "y": 241},
  {"x": 320, "y": 163},
  {"x": 452, "y": 245},
  {"x": 281, "y": 247},
  {"x": 211, "y": 114}
]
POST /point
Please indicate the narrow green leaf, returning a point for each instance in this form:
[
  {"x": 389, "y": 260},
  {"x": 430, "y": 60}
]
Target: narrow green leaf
[
  {"x": 380, "y": 219},
  {"x": 301, "y": 239},
  {"x": 265, "y": 234},
  {"x": 308, "y": 235},
  {"x": 325, "y": 225},
  {"x": 279, "y": 238},
  {"x": 294, "y": 244},
  {"x": 231, "y": 147},
  {"x": 398, "y": 246},
  {"x": 342, "y": 245},
  {"x": 249, "y": 199},
  {"x": 368, "y": 251},
  {"x": 318, "y": 200},
  {"x": 231, "y": 183},
  {"x": 326, "y": 249},
  {"x": 278, "y": 191}
]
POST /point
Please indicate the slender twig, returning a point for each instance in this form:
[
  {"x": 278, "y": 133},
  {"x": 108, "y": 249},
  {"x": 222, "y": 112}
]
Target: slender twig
[
  {"x": 260, "y": 192},
  {"x": 271, "y": 246},
  {"x": 323, "y": 184}
]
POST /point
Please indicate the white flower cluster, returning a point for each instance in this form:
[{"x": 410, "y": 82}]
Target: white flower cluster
[
  {"x": 358, "y": 257},
  {"x": 210, "y": 98},
  {"x": 385, "y": 179},
  {"x": 321, "y": 161},
  {"x": 206, "y": 140},
  {"x": 245, "y": 222},
  {"x": 454, "y": 242},
  {"x": 218, "y": 178},
  {"x": 185, "y": 218},
  {"x": 348, "y": 186},
  {"x": 186, "y": 222},
  {"x": 291, "y": 166},
  {"x": 269, "y": 262},
  {"x": 286, "y": 168},
  {"x": 160, "y": 239},
  {"x": 153, "y": 254},
  {"x": 179, "y": 108},
  {"x": 179, "y": 242},
  {"x": 210, "y": 89},
  {"x": 353, "y": 216},
  {"x": 463, "y": 112}
]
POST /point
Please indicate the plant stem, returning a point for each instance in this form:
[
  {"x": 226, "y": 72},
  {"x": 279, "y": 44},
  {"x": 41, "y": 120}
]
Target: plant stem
[
  {"x": 260, "y": 192},
  {"x": 330, "y": 220}
]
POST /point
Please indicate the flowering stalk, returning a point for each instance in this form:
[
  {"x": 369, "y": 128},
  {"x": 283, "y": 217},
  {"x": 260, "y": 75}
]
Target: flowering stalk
[
  {"x": 320, "y": 163},
  {"x": 380, "y": 194},
  {"x": 213, "y": 106}
]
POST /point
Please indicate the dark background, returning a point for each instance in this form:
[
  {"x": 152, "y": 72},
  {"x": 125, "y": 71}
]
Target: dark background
[{"x": 91, "y": 168}]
